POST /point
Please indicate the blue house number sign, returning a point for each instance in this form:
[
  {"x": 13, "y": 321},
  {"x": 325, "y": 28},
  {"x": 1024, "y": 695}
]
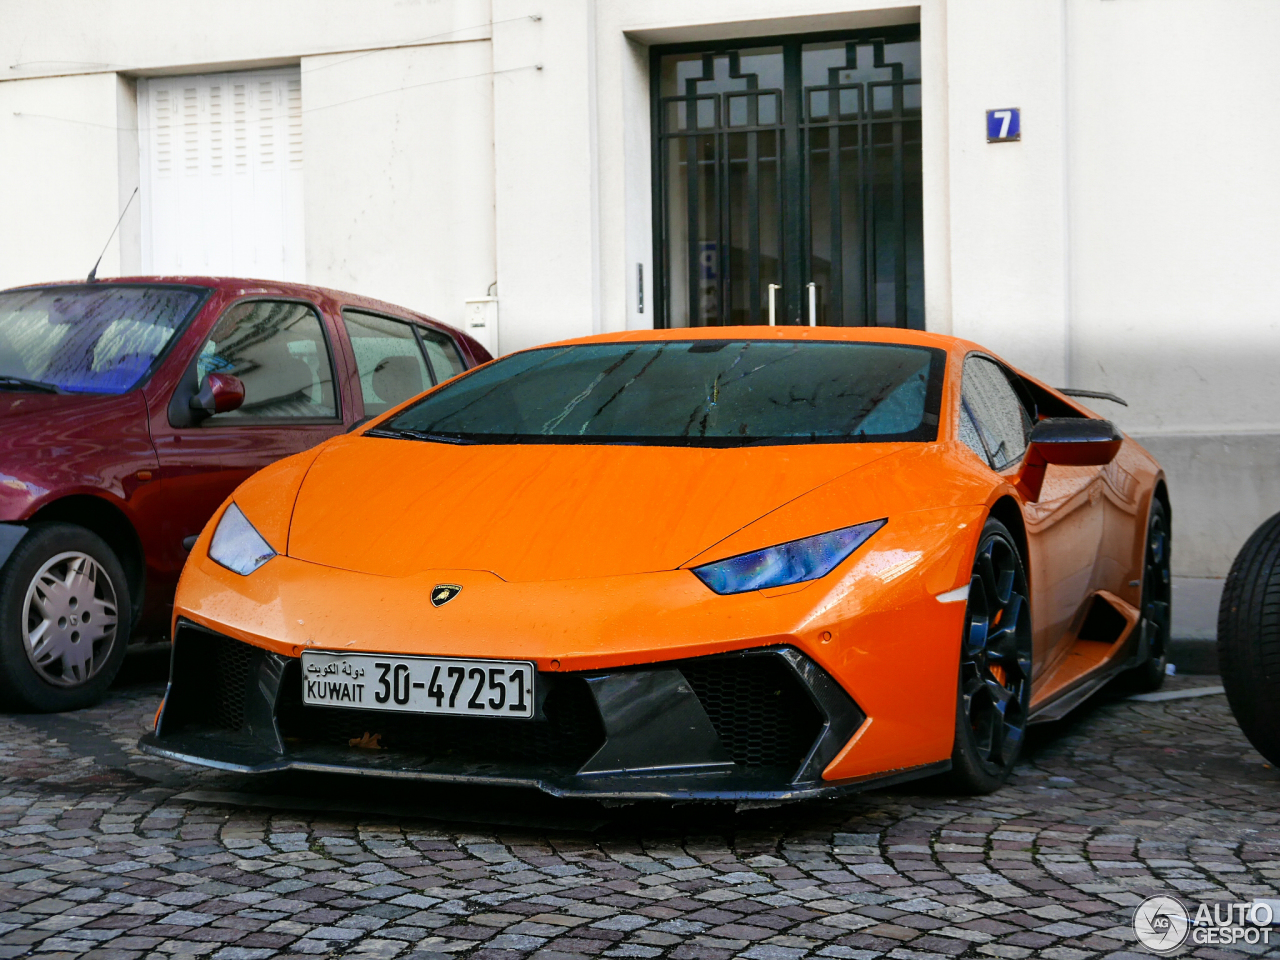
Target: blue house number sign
[{"x": 1004, "y": 125}]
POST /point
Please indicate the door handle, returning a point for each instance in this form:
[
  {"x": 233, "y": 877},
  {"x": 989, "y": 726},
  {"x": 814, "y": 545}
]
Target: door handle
[
  {"x": 773, "y": 303},
  {"x": 813, "y": 304}
]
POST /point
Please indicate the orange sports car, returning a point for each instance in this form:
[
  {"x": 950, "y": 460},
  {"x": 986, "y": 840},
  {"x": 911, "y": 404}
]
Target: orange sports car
[{"x": 724, "y": 563}]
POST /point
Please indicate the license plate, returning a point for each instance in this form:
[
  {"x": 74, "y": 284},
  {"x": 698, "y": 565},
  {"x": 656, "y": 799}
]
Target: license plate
[{"x": 370, "y": 681}]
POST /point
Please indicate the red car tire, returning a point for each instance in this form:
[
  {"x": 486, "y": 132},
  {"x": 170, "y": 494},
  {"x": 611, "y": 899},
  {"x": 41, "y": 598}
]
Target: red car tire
[{"x": 62, "y": 636}]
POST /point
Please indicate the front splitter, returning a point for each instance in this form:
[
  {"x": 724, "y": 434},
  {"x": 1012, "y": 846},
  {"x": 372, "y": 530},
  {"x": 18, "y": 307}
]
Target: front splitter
[{"x": 667, "y": 784}]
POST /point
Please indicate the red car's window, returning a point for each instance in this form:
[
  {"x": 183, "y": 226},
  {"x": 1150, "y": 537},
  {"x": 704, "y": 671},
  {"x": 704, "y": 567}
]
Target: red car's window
[
  {"x": 443, "y": 354},
  {"x": 279, "y": 351},
  {"x": 392, "y": 368},
  {"x": 89, "y": 339}
]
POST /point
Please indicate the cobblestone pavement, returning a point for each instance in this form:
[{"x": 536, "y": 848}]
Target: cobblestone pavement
[{"x": 105, "y": 853}]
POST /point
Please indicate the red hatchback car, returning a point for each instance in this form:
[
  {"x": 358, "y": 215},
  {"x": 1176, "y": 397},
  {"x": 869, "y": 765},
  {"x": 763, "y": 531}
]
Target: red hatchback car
[{"x": 130, "y": 409}]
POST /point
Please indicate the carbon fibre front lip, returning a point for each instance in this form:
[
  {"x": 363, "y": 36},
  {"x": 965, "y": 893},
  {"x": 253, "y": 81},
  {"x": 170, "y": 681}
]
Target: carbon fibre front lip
[{"x": 207, "y": 751}]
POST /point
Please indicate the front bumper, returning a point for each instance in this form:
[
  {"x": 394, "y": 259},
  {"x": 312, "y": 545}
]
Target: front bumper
[{"x": 752, "y": 725}]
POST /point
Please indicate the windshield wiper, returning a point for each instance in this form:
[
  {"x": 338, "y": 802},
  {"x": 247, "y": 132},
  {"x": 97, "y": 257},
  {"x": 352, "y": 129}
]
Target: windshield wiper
[
  {"x": 22, "y": 383},
  {"x": 399, "y": 433}
]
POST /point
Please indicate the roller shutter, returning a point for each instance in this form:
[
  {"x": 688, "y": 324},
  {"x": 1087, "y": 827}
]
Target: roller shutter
[{"x": 222, "y": 174}]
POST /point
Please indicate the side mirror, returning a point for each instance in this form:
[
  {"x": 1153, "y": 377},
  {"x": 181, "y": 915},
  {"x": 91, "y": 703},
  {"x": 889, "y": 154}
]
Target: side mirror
[
  {"x": 1069, "y": 442},
  {"x": 220, "y": 393}
]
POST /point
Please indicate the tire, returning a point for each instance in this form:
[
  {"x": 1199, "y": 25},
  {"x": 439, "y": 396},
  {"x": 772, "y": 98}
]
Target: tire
[
  {"x": 1156, "y": 595},
  {"x": 1249, "y": 639},
  {"x": 993, "y": 696},
  {"x": 62, "y": 638}
]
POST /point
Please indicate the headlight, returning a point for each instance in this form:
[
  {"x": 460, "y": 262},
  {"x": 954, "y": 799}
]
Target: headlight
[
  {"x": 793, "y": 562},
  {"x": 236, "y": 545}
]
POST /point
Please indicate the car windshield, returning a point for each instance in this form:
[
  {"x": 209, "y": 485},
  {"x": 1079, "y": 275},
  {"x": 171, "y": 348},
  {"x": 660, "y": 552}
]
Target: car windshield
[
  {"x": 689, "y": 393},
  {"x": 88, "y": 339}
]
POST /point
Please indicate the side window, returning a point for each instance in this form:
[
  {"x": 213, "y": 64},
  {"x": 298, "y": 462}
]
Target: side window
[
  {"x": 992, "y": 415},
  {"x": 443, "y": 353},
  {"x": 969, "y": 432},
  {"x": 279, "y": 351},
  {"x": 389, "y": 360}
]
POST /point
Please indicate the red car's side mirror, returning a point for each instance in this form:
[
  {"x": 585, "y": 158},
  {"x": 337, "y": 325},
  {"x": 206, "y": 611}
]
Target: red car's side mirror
[
  {"x": 1069, "y": 442},
  {"x": 220, "y": 393}
]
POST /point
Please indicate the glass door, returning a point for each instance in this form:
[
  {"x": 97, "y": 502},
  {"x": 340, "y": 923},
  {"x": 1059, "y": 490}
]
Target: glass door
[{"x": 787, "y": 182}]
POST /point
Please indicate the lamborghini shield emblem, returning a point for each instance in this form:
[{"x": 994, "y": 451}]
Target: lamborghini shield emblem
[{"x": 442, "y": 593}]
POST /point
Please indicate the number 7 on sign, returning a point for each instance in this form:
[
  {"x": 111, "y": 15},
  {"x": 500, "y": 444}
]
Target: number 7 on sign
[{"x": 1004, "y": 125}]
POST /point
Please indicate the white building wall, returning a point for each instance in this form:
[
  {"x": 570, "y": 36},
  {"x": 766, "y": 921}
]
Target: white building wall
[
  {"x": 1125, "y": 244},
  {"x": 1009, "y": 226},
  {"x": 399, "y": 174},
  {"x": 48, "y": 37},
  {"x": 1175, "y": 213},
  {"x": 546, "y": 171},
  {"x": 60, "y": 164}
]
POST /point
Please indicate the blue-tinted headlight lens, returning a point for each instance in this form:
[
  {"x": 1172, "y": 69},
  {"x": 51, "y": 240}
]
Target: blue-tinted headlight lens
[
  {"x": 792, "y": 562},
  {"x": 236, "y": 545}
]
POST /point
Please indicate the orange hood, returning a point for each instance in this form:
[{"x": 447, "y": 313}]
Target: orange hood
[{"x": 543, "y": 512}]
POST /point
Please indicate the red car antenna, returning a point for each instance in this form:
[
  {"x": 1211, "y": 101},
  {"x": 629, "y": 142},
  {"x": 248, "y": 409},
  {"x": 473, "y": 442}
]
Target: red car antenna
[{"x": 93, "y": 274}]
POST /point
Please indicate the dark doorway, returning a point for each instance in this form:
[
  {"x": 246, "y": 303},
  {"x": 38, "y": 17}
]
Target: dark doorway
[{"x": 787, "y": 181}]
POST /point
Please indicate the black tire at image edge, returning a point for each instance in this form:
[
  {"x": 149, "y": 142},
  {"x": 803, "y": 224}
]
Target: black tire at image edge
[{"x": 1249, "y": 638}]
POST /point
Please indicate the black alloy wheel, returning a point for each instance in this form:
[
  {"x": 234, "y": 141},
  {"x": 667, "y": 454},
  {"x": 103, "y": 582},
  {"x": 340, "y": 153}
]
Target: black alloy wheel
[
  {"x": 1157, "y": 585},
  {"x": 994, "y": 696},
  {"x": 62, "y": 633}
]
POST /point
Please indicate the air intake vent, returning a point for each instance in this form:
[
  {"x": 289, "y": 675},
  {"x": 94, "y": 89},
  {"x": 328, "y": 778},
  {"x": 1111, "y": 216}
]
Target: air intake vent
[
  {"x": 758, "y": 706},
  {"x": 210, "y": 680}
]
